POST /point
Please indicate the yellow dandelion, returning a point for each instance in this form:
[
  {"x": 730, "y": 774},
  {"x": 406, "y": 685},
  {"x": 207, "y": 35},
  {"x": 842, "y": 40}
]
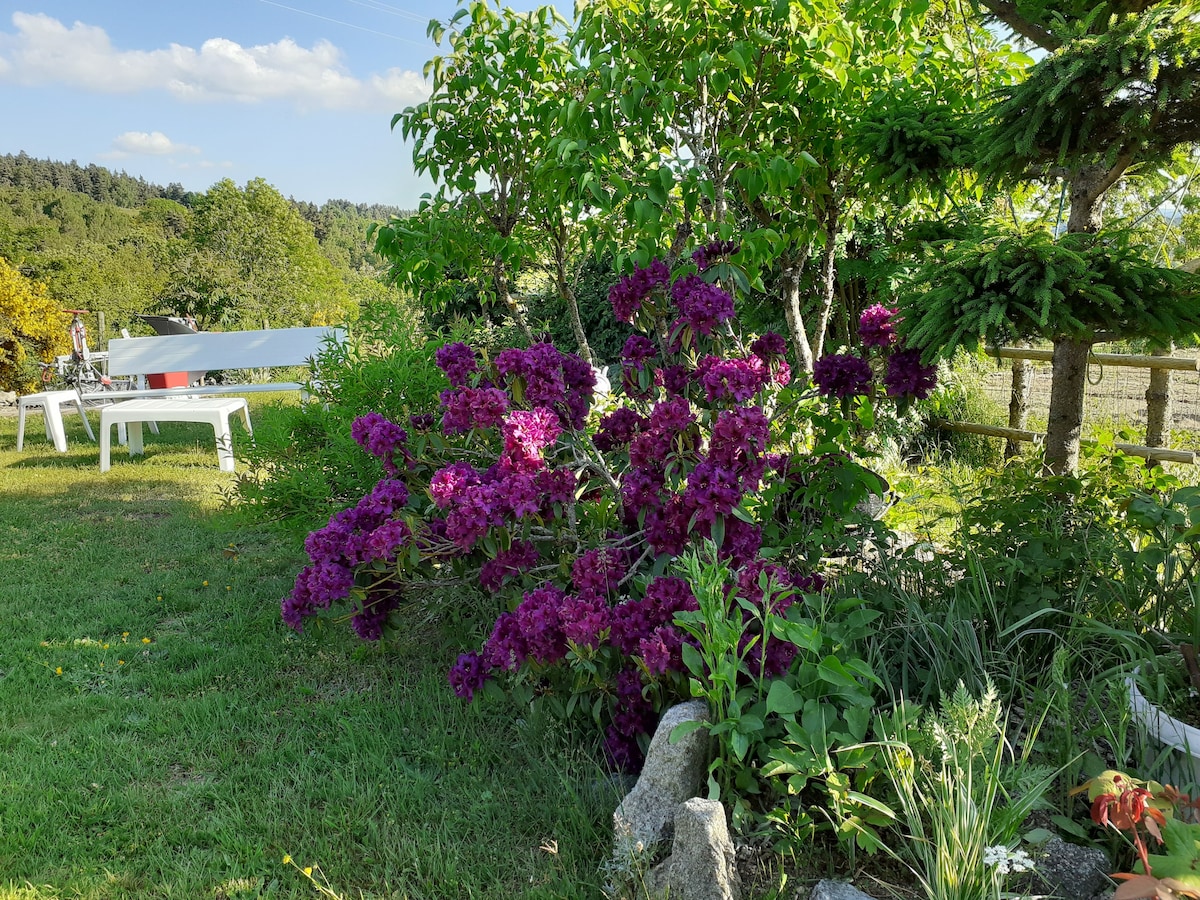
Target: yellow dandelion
[
  {"x": 124, "y": 634},
  {"x": 308, "y": 871},
  {"x": 287, "y": 858},
  {"x": 58, "y": 670},
  {"x": 145, "y": 640},
  {"x": 204, "y": 584},
  {"x": 105, "y": 646},
  {"x": 120, "y": 662},
  {"x": 159, "y": 598},
  {"x": 229, "y": 587}
]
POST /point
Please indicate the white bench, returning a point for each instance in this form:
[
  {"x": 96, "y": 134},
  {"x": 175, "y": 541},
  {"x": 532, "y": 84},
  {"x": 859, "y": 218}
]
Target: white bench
[
  {"x": 215, "y": 350},
  {"x": 214, "y": 411}
]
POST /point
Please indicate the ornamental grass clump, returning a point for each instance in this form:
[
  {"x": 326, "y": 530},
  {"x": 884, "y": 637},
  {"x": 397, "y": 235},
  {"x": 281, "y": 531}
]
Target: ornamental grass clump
[{"x": 572, "y": 506}]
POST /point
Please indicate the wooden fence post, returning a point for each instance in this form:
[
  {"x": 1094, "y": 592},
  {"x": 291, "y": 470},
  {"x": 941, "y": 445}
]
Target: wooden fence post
[
  {"x": 1158, "y": 405},
  {"x": 1018, "y": 404}
]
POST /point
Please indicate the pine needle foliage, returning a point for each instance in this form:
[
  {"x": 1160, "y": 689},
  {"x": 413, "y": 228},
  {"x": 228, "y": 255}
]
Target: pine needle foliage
[
  {"x": 1011, "y": 285},
  {"x": 1123, "y": 87}
]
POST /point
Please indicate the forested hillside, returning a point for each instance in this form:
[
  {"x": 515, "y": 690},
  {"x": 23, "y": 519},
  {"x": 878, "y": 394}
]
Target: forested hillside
[{"x": 231, "y": 256}]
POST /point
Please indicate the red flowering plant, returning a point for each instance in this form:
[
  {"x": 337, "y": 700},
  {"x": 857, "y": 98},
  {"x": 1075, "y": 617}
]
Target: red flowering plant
[
  {"x": 1145, "y": 811},
  {"x": 573, "y": 506}
]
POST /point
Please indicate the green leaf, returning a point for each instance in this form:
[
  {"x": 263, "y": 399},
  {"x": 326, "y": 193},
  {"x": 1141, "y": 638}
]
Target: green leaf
[{"x": 783, "y": 700}]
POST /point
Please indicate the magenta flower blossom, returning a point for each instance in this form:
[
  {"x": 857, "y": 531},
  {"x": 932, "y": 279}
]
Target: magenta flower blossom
[
  {"x": 907, "y": 377},
  {"x": 627, "y": 295},
  {"x": 527, "y": 433},
  {"x": 618, "y": 428},
  {"x": 638, "y": 350},
  {"x": 732, "y": 379},
  {"x": 584, "y": 620},
  {"x": 458, "y": 361},
  {"x": 381, "y": 438},
  {"x": 877, "y": 327},
  {"x": 842, "y": 375},
  {"x": 769, "y": 346},
  {"x": 598, "y": 572},
  {"x": 449, "y": 482},
  {"x": 703, "y": 306},
  {"x": 468, "y": 408},
  {"x": 508, "y": 564},
  {"x": 468, "y": 675},
  {"x": 704, "y": 256}
]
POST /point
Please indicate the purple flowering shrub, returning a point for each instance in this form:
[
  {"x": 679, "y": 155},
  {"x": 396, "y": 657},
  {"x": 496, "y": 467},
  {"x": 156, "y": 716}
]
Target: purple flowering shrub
[
  {"x": 573, "y": 508},
  {"x": 847, "y": 375}
]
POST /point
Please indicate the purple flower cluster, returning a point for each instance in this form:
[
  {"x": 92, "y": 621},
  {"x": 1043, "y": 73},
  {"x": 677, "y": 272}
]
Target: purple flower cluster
[
  {"x": 353, "y": 537},
  {"x": 618, "y": 428},
  {"x": 907, "y": 377},
  {"x": 381, "y": 438},
  {"x": 877, "y": 327},
  {"x": 842, "y": 375},
  {"x": 627, "y": 295},
  {"x": 548, "y": 377},
  {"x": 466, "y": 408},
  {"x": 704, "y": 256},
  {"x": 511, "y": 563},
  {"x": 459, "y": 362},
  {"x": 468, "y": 675},
  {"x": 701, "y": 305},
  {"x": 638, "y": 351},
  {"x": 598, "y": 572},
  {"x": 732, "y": 379}
]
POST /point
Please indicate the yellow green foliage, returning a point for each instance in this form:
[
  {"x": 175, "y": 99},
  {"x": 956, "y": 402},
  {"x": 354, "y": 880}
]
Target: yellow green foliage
[{"x": 32, "y": 328}]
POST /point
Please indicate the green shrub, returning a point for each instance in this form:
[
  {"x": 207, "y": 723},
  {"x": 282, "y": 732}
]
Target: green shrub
[{"x": 304, "y": 464}]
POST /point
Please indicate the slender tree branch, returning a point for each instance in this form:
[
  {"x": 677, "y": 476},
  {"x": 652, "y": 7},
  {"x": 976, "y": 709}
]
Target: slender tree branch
[{"x": 1006, "y": 12}]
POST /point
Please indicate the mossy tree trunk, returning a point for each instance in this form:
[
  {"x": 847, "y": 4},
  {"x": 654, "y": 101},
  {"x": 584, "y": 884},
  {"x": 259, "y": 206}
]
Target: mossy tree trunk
[{"x": 1066, "y": 406}]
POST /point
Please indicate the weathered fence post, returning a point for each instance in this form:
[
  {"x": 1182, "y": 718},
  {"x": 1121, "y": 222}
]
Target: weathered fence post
[
  {"x": 1018, "y": 404},
  {"x": 1158, "y": 405}
]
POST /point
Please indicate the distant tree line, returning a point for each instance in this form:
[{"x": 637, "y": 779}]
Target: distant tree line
[{"x": 232, "y": 256}]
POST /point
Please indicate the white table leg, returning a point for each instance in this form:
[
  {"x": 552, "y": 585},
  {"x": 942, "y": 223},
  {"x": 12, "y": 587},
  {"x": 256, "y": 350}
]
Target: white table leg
[
  {"x": 87, "y": 426},
  {"x": 20, "y": 425},
  {"x": 105, "y": 444},
  {"x": 224, "y": 443},
  {"x": 54, "y": 425},
  {"x": 135, "y": 438}
]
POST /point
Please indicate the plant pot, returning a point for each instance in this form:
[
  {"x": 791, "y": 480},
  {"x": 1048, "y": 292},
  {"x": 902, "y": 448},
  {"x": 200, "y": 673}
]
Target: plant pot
[{"x": 1178, "y": 763}]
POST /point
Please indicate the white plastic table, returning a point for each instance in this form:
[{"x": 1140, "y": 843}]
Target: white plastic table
[
  {"x": 51, "y": 403},
  {"x": 210, "y": 410}
]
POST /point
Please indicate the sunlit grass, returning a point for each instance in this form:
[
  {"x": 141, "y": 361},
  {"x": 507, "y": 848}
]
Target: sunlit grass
[{"x": 166, "y": 736}]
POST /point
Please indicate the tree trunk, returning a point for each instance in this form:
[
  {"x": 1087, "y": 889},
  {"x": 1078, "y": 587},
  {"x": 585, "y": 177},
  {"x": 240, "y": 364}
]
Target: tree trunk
[
  {"x": 1067, "y": 391},
  {"x": 828, "y": 275},
  {"x": 1018, "y": 404},
  {"x": 500, "y": 276},
  {"x": 1158, "y": 405},
  {"x": 795, "y": 320},
  {"x": 558, "y": 237}
]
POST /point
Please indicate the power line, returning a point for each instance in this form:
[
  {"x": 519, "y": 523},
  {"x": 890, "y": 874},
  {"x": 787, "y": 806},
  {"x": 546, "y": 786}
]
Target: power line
[{"x": 304, "y": 12}]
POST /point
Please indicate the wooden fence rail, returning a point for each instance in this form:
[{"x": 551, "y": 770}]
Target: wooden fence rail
[{"x": 1158, "y": 402}]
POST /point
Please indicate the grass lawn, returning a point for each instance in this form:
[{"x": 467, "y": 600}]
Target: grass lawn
[{"x": 162, "y": 734}]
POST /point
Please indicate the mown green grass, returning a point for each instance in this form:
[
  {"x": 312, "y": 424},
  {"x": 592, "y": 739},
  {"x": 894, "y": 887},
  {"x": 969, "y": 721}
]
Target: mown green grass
[{"x": 162, "y": 734}]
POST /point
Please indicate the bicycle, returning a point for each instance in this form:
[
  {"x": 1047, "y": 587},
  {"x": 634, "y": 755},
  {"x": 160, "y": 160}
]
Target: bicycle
[{"x": 78, "y": 371}]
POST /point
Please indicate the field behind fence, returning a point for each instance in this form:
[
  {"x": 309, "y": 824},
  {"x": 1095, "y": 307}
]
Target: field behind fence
[{"x": 1116, "y": 398}]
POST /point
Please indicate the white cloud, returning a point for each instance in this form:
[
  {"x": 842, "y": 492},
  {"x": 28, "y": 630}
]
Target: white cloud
[
  {"x": 43, "y": 51},
  {"x": 154, "y": 143}
]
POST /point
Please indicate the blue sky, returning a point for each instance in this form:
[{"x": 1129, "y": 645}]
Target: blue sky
[{"x": 299, "y": 92}]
